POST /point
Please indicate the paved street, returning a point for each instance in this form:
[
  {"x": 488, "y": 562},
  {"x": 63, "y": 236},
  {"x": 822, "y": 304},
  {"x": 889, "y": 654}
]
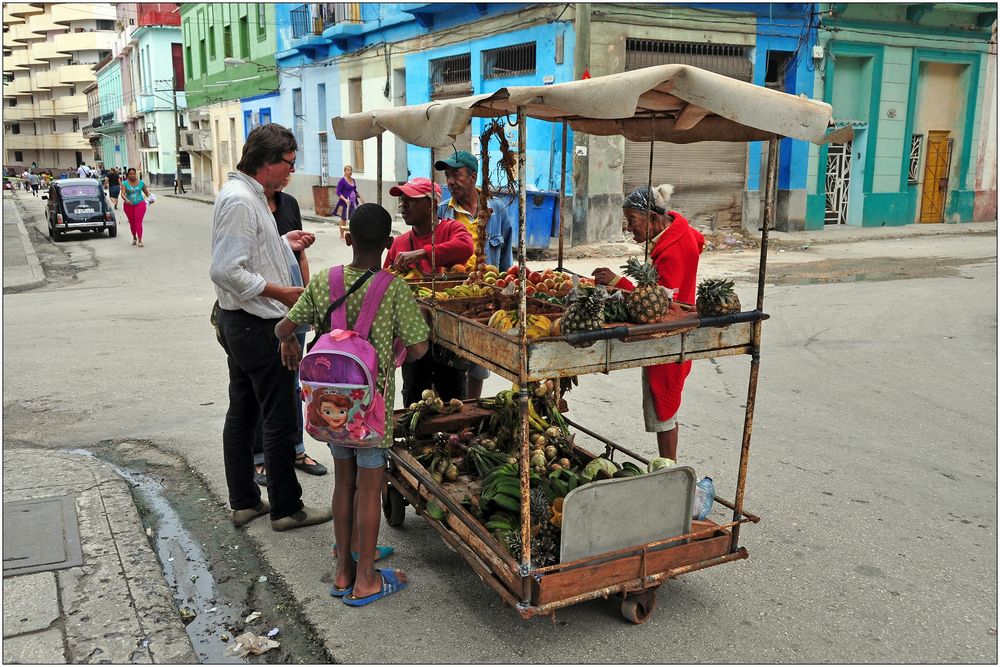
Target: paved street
[{"x": 873, "y": 464}]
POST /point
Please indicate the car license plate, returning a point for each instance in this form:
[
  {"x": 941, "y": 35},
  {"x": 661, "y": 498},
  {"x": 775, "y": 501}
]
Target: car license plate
[{"x": 84, "y": 210}]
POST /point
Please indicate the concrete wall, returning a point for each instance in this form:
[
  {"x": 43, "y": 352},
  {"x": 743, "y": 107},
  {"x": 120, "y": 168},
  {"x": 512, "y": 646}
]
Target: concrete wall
[{"x": 985, "y": 206}]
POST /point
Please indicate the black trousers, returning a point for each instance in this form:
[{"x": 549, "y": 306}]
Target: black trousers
[
  {"x": 259, "y": 387},
  {"x": 429, "y": 372}
]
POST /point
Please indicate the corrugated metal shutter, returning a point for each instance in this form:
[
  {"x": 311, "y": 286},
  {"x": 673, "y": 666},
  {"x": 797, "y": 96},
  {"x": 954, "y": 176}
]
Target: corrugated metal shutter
[{"x": 708, "y": 177}]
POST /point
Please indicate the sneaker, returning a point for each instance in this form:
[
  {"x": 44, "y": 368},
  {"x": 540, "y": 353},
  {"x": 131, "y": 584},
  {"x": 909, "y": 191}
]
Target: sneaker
[
  {"x": 307, "y": 516},
  {"x": 243, "y": 517}
]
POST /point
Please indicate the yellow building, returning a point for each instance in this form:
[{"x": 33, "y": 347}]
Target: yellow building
[{"x": 49, "y": 51}]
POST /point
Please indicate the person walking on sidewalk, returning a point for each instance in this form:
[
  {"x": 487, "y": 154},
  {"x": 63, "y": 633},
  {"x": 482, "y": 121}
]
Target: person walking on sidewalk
[
  {"x": 360, "y": 472},
  {"x": 113, "y": 181},
  {"x": 287, "y": 218},
  {"x": 34, "y": 180},
  {"x": 136, "y": 197},
  {"x": 348, "y": 198},
  {"x": 253, "y": 282}
]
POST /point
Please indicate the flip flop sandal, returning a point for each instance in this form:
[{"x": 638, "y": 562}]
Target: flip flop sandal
[
  {"x": 340, "y": 592},
  {"x": 381, "y": 551},
  {"x": 391, "y": 583}
]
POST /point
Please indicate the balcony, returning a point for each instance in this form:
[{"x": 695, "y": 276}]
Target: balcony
[
  {"x": 70, "y": 74},
  {"x": 23, "y": 85},
  {"x": 42, "y": 24},
  {"x": 50, "y": 79},
  {"x": 85, "y": 41},
  {"x": 66, "y": 14},
  {"x": 196, "y": 141},
  {"x": 10, "y": 19},
  {"x": 47, "y": 51},
  {"x": 24, "y": 9},
  {"x": 19, "y": 113},
  {"x": 20, "y": 59},
  {"x": 22, "y": 34},
  {"x": 148, "y": 140},
  {"x": 72, "y": 141},
  {"x": 71, "y": 105}
]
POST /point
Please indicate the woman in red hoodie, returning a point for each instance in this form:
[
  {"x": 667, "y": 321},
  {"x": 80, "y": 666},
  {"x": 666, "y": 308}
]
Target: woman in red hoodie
[{"x": 675, "y": 247}]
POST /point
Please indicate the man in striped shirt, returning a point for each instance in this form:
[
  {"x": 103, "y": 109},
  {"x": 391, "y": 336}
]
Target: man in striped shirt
[{"x": 251, "y": 272}]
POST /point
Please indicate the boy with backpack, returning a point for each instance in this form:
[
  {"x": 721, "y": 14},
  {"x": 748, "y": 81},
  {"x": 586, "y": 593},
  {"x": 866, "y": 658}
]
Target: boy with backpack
[{"x": 351, "y": 408}]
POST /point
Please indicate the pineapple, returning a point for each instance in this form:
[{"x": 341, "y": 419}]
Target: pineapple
[
  {"x": 585, "y": 311},
  {"x": 716, "y": 297},
  {"x": 545, "y": 536},
  {"x": 649, "y": 302}
]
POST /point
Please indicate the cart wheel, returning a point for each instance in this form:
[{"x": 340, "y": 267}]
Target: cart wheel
[
  {"x": 639, "y": 607},
  {"x": 393, "y": 507}
]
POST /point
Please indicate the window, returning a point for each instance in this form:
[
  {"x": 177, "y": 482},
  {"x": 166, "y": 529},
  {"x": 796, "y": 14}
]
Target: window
[
  {"x": 178, "y": 63},
  {"x": 453, "y": 72},
  {"x": 507, "y": 61},
  {"x": 105, "y": 25},
  {"x": 18, "y": 156},
  {"x": 227, "y": 41},
  {"x": 915, "y": 142},
  {"x": 244, "y": 37},
  {"x": 76, "y": 124},
  {"x": 248, "y": 123},
  {"x": 261, "y": 21},
  {"x": 187, "y": 62},
  {"x": 300, "y": 21},
  {"x": 265, "y": 115},
  {"x": 12, "y": 102},
  {"x": 15, "y": 128},
  {"x": 203, "y": 57},
  {"x": 777, "y": 66},
  {"x": 297, "y": 117},
  {"x": 211, "y": 41}
]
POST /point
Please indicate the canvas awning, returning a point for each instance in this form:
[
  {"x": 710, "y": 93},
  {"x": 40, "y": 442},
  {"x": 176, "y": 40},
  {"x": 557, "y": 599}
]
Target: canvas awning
[{"x": 674, "y": 103}]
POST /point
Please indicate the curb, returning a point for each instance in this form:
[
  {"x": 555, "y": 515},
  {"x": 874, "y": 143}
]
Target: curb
[{"x": 34, "y": 264}]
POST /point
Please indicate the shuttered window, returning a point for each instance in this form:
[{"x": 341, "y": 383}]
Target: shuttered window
[{"x": 709, "y": 177}]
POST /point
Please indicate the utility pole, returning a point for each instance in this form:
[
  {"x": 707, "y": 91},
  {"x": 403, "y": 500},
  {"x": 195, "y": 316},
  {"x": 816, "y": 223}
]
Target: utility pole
[{"x": 177, "y": 137}]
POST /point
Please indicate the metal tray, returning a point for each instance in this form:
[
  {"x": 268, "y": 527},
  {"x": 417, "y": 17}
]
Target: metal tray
[{"x": 615, "y": 514}]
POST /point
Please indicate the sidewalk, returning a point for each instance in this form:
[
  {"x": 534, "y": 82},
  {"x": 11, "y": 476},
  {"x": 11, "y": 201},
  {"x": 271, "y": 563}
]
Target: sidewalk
[
  {"x": 81, "y": 582},
  {"x": 831, "y": 234},
  {"x": 21, "y": 268}
]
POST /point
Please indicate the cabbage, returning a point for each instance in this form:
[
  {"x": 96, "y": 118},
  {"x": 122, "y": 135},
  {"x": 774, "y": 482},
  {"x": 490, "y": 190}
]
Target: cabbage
[
  {"x": 660, "y": 462},
  {"x": 591, "y": 469}
]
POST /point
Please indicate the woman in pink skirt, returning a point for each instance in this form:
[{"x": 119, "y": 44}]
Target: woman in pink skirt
[{"x": 135, "y": 204}]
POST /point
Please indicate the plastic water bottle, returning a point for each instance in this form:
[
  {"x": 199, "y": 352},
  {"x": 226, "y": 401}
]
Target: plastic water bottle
[{"x": 704, "y": 496}]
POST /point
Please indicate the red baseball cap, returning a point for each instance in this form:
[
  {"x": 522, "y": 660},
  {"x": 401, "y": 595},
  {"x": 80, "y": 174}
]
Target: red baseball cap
[{"x": 416, "y": 187}]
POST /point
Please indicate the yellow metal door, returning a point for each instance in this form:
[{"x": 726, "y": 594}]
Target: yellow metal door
[{"x": 936, "y": 168}]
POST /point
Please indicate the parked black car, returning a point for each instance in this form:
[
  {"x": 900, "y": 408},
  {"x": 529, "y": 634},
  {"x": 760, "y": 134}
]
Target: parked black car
[{"x": 79, "y": 204}]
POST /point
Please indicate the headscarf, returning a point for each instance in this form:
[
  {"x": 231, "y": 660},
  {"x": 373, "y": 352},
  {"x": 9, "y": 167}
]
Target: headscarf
[{"x": 642, "y": 199}]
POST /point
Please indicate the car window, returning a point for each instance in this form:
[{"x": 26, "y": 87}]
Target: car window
[{"x": 75, "y": 191}]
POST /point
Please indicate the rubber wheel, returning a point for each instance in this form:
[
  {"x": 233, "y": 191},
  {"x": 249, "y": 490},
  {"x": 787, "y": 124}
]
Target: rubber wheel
[
  {"x": 112, "y": 232},
  {"x": 393, "y": 507},
  {"x": 639, "y": 607}
]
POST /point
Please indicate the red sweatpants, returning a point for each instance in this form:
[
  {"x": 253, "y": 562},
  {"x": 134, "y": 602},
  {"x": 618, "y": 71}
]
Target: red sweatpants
[{"x": 135, "y": 214}]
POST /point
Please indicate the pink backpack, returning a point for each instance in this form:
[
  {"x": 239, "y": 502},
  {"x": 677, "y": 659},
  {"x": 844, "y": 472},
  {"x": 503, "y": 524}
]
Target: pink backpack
[{"x": 343, "y": 406}]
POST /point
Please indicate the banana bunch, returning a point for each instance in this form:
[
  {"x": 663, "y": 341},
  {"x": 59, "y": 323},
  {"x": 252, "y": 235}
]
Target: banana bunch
[
  {"x": 502, "y": 487},
  {"x": 504, "y": 522},
  {"x": 462, "y": 291},
  {"x": 539, "y": 326},
  {"x": 424, "y": 292}
]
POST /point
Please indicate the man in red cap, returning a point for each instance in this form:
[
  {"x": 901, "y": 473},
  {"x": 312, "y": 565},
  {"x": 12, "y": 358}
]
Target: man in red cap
[
  {"x": 441, "y": 369},
  {"x": 452, "y": 241}
]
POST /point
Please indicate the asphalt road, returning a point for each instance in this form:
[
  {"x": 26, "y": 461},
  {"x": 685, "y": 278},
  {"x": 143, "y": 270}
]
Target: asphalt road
[{"x": 874, "y": 459}]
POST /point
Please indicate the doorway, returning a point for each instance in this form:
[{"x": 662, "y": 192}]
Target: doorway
[
  {"x": 838, "y": 182},
  {"x": 937, "y": 165}
]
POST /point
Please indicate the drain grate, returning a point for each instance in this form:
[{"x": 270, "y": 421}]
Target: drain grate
[{"x": 40, "y": 535}]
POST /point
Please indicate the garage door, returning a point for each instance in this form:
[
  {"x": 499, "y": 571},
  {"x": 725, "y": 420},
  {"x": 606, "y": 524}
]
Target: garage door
[{"x": 708, "y": 177}]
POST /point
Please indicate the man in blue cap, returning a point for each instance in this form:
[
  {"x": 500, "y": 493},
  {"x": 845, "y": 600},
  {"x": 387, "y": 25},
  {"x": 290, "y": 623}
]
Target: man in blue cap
[{"x": 461, "y": 170}]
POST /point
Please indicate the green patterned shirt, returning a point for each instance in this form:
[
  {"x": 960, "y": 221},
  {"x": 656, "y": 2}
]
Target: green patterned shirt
[{"x": 397, "y": 317}]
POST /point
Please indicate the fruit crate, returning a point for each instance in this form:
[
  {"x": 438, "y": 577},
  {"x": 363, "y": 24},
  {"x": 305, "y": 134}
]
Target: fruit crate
[{"x": 685, "y": 336}]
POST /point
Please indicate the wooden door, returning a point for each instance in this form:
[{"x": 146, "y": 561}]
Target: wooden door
[{"x": 937, "y": 164}]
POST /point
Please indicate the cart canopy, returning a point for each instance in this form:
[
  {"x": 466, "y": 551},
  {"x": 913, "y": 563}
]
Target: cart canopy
[{"x": 673, "y": 103}]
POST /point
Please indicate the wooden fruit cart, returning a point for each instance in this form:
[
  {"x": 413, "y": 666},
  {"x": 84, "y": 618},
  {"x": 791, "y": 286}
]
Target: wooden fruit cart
[{"x": 673, "y": 103}]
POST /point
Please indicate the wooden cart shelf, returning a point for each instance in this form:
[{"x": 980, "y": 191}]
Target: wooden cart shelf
[{"x": 680, "y": 340}]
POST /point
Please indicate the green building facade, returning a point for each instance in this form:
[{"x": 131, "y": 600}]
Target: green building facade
[
  {"x": 215, "y": 32},
  {"x": 911, "y": 80}
]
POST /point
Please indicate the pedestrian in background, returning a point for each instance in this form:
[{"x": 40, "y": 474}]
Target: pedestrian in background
[
  {"x": 253, "y": 282},
  {"x": 136, "y": 197},
  {"x": 34, "y": 180},
  {"x": 348, "y": 198},
  {"x": 113, "y": 182}
]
